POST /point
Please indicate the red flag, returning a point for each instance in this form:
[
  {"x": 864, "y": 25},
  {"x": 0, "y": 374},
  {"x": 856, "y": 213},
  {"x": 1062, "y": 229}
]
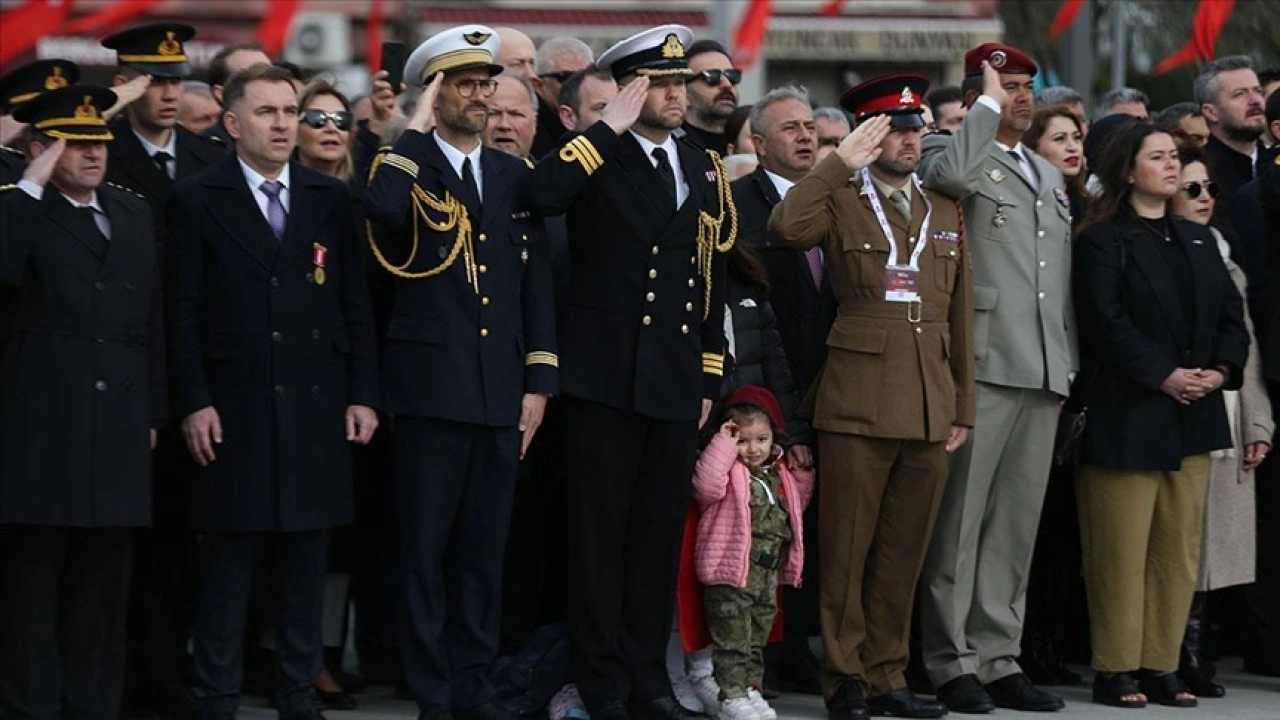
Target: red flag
[
  {"x": 107, "y": 20},
  {"x": 831, "y": 9},
  {"x": 373, "y": 37},
  {"x": 1066, "y": 16},
  {"x": 23, "y": 26},
  {"x": 751, "y": 31},
  {"x": 1211, "y": 16},
  {"x": 274, "y": 28}
]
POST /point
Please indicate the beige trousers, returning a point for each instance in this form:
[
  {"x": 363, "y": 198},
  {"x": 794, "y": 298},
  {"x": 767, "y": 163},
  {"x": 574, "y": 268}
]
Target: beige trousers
[{"x": 1140, "y": 531}]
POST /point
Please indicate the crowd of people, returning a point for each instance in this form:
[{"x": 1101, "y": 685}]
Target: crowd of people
[{"x": 591, "y": 392}]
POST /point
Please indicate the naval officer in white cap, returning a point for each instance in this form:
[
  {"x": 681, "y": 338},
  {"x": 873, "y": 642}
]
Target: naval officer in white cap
[
  {"x": 641, "y": 337},
  {"x": 468, "y": 362}
]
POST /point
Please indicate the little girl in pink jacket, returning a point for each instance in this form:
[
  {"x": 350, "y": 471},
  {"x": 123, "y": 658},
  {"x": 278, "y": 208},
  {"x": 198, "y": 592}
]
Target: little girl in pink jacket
[{"x": 749, "y": 540}]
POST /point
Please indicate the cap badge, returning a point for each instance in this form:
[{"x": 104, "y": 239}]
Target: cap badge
[
  {"x": 908, "y": 97},
  {"x": 998, "y": 59},
  {"x": 476, "y": 38},
  {"x": 169, "y": 46},
  {"x": 672, "y": 48},
  {"x": 55, "y": 81},
  {"x": 87, "y": 109}
]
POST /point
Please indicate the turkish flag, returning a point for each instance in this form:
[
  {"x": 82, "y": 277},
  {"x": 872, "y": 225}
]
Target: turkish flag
[
  {"x": 1066, "y": 15},
  {"x": 751, "y": 31},
  {"x": 273, "y": 31},
  {"x": 1211, "y": 16},
  {"x": 105, "y": 21},
  {"x": 23, "y": 26}
]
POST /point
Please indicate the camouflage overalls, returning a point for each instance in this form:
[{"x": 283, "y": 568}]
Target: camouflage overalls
[{"x": 740, "y": 618}]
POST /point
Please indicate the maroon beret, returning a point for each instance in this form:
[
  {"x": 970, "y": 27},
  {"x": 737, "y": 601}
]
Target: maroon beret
[
  {"x": 1004, "y": 58},
  {"x": 760, "y": 398}
]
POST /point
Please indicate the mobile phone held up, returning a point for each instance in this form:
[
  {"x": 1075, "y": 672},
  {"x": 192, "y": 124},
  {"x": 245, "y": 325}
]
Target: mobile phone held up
[{"x": 393, "y": 63}]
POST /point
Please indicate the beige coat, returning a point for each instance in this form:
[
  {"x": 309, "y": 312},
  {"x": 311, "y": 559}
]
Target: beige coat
[
  {"x": 1229, "y": 544},
  {"x": 887, "y": 375}
]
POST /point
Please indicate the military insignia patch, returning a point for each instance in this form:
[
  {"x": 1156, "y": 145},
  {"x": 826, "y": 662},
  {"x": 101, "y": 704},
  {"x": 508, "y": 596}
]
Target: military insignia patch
[
  {"x": 998, "y": 59},
  {"x": 56, "y": 80},
  {"x": 947, "y": 236},
  {"x": 995, "y": 175},
  {"x": 87, "y": 109},
  {"x": 672, "y": 48},
  {"x": 907, "y": 98},
  {"x": 1061, "y": 195},
  {"x": 169, "y": 46},
  {"x": 476, "y": 38}
]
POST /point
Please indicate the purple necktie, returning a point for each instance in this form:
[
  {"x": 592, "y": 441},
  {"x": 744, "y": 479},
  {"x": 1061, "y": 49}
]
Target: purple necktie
[
  {"x": 814, "y": 256},
  {"x": 275, "y": 208}
]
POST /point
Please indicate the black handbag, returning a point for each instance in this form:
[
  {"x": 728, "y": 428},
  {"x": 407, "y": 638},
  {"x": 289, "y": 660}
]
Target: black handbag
[{"x": 1066, "y": 444}]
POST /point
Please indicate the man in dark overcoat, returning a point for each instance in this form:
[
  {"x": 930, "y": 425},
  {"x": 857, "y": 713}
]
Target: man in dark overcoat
[
  {"x": 81, "y": 393},
  {"x": 273, "y": 368}
]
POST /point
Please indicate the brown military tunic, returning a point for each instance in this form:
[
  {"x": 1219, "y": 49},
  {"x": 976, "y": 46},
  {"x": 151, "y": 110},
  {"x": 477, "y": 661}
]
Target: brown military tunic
[{"x": 897, "y": 377}]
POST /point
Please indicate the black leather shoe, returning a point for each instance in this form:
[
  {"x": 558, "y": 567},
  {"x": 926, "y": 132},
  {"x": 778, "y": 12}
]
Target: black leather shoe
[
  {"x": 664, "y": 708},
  {"x": 905, "y": 704},
  {"x": 487, "y": 711},
  {"x": 964, "y": 694},
  {"x": 1015, "y": 692},
  {"x": 848, "y": 702},
  {"x": 612, "y": 710}
]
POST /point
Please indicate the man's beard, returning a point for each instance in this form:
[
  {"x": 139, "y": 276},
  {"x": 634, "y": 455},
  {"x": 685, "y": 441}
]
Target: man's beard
[
  {"x": 460, "y": 121},
  {"x": 1242, "y": 133},
  {"x": 714, "y": 113},
  {"x": 896, "y": 168},
  {"x": 650, "y": 118}
]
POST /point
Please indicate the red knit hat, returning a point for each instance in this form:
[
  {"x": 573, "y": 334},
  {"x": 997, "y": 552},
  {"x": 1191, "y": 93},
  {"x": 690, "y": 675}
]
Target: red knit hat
[{"x": 760, "y": 398}]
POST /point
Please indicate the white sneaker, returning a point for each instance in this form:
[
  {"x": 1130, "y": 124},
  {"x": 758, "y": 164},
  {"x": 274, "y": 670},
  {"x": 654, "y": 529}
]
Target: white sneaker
[
  {"x": 739, "y": 709},
  {"x": 683, "y": 690},
  {"x": 707, "y": 692},
  {"x": 763, "y": 709}
]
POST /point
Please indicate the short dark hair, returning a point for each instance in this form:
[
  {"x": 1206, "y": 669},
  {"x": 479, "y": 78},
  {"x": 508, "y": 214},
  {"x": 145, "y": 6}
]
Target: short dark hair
[
  {"x": 702, "y": 47},
  {"x": 1272, "y": 110},
  {"x": 235, "y": 87},
  {"x": 1268, "y": 75},
  {"x": 571, "y": 89},
  {"x": 294, "y": 70},
  {"x": 942, "y": 96},
  {"x": 219, "y": 73},
  {"x": 971, "y": 83},
  {"x": 1169, "y": 117}
]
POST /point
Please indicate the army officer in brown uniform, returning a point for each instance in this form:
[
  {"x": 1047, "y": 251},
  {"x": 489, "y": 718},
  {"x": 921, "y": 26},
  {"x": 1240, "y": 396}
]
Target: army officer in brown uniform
[{"x": 896, "y": 393}]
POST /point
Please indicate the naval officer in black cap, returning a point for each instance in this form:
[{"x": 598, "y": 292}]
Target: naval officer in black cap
[
  {"x": 81, "y": 392},
  {"x": 641, "y": 356},
  {"x": 22, "y": 85},
  {"x": 151, "y": 151}
]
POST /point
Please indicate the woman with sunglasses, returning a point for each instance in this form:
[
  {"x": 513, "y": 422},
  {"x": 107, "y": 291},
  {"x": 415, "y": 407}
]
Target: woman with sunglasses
[
  {"x": 1229, "y": 543},
  {"x": 1161, "y": 329}
]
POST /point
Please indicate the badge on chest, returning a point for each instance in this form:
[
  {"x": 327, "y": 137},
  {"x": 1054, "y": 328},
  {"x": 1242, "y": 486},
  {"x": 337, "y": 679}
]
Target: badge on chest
[
  {"x": 318, "y": 255},
  {"x": 901, "y": 283}
]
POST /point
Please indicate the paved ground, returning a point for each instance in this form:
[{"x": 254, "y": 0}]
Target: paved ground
[{"x": 1249, "y": 697}]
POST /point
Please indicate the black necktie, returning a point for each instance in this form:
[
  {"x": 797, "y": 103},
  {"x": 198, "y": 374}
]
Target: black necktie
[
  {"x": 162, "y": 159},
  {"x": 469, "y": 180},
  {"x": 664, "y": 170},
  {"x": 89, "y": 212}
]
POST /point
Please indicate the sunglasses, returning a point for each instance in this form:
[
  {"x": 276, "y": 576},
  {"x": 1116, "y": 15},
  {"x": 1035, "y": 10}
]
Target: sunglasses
[
  {"x": 712, "y": 77},
  {"x": 317, "y": 118},
  {"x": 559, "y": 76},
  {"x": 1194, "y": 189}
]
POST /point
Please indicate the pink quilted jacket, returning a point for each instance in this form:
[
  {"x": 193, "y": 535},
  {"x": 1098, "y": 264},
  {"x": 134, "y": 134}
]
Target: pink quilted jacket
[{"x": 721, "y": 485}]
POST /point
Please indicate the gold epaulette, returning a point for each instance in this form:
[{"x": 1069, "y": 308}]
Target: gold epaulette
[
  {"x": 581, "y": 151},
  {"x": 129, "y": 190},
  {"x": 541, "y": 357},
  {"x": 712, "y": 237}
]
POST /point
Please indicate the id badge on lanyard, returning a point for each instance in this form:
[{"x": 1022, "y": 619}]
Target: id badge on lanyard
[{"x": 901, "y": 282}]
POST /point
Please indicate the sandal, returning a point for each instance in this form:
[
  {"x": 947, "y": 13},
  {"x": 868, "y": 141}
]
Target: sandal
[
  {"x": 1166, "y": 689},
  {"x": 1112, "y": 689}
]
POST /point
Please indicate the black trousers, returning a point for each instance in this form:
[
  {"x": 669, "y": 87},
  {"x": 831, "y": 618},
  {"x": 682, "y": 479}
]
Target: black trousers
[
  {"x": 454, "y": 488},
  {"x": 227, "y": 562},
  {"x": 63, "y": 606},
  {"x": 630, "y": 478}
]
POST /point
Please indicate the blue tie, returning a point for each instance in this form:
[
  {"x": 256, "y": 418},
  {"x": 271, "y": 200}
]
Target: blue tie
[{"x": 275, "y": 208}]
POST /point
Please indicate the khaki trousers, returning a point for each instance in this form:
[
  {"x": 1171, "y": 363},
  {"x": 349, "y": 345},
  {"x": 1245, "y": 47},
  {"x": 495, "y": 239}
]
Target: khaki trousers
[
  {"x": 1140, "y": 531},
  {"x": 879, "y": 501}
]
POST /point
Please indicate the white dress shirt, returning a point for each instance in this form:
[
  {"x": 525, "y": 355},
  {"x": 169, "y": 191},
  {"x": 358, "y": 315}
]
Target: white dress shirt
[
  {"x": 455, "y": 158},
  {"x": 255, "y": 181},
  {"x": 171, "y": 147},
  {"x": 99, "y": 215},
  {"x": 1024, "y": 163},
  {"x": 781, "y": 184},
  {"x": 673, "y": 157}
]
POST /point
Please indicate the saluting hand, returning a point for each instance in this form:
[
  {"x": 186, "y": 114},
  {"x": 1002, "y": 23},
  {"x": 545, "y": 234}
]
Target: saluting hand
[
  {"x": 202, "y": 430},
  {"x": 991, "y": 85},
  {"x": 41, "y": 169},
  {"x": 424, "y": 115},
  {"x": 624, "y": 109},
  {"x": 532, "y": 407},
  {"x": 361, "y": 422},
  {"x": 729, "y": 429},
  {"x": 862, "y": 146},
  {"x": 126, "y": 94}
]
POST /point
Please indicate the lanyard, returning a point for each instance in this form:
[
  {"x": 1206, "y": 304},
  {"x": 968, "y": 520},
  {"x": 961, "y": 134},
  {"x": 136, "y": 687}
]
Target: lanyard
[{"x": 874, "y": 196}]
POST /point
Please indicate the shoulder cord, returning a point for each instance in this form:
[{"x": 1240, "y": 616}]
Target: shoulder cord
[{"x": 709, "y": 230}]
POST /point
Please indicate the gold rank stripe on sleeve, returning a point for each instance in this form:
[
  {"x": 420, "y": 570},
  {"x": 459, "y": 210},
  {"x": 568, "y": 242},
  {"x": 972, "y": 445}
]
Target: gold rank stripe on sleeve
[
  {"x": 401, "y": 162},
  {"x": 713, "y": 364},
  {"x": 541, "y": 357},
  {"x": 580, "y": 150}
]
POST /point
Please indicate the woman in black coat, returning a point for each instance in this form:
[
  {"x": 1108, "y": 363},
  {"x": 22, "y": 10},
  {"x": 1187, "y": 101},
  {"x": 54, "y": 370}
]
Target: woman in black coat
[{"x": 1162, "y": 331}]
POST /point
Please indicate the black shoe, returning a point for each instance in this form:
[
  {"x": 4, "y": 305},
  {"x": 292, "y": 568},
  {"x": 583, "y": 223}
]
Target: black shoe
[
  {"x": 905, "y": 704},
  {"x": 848, "y": 703},
  {"x": 339, "y": 700},
  {"x": 488, "y": 711},
  {"x": 1164, "y": 689},
  {"x": 1015, "y": 692},
  {"x": 612, "y": 710},
  {"x": 964, "y": 694},
  {"x": 664, "y": 708}
]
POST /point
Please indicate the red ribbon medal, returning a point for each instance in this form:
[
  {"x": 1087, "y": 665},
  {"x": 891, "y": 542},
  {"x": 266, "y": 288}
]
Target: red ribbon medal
[{"x": 318, "y": 254}]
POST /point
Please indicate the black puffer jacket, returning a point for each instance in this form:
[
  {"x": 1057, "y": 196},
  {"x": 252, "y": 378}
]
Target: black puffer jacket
[{"x": 754, "y": 355}]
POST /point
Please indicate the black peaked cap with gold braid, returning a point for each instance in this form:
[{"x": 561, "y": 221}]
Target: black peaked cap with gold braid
[
  {"x": 655, "y": 52},
  {"x": 23, "y": 84},
  {"x": 154, "y": 49},
  {"x": 72, "y": 113}
]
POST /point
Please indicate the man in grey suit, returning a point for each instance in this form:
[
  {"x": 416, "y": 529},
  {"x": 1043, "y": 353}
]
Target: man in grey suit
[{"x": 1018, "y": 227}]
